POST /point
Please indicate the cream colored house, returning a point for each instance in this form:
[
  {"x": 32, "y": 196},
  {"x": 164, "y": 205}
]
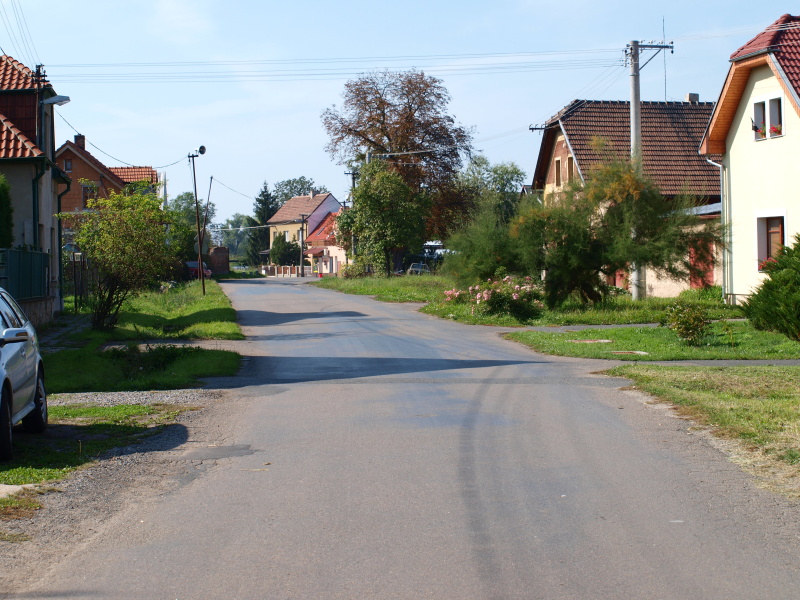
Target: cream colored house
[
  {"x": 756, "y": 128},
  {"x": 301, "y": 215}
]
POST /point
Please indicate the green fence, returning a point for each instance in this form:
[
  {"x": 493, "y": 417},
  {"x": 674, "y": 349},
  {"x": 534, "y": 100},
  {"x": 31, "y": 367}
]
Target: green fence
[{"x": 24, "y": 274}]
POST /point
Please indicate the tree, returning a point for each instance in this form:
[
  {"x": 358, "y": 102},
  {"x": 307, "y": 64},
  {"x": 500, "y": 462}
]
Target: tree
[
  {"x": 6, "y": 214},
  {"x": 284, "y": 252},
  {"x": 234, "y": 236},
  {"x": 183, "y": 227},
  {"x": 387, "y": 216},
  {"x": 265, "y": 206},
  {"x": 299, "y": 186},
  {"x": 617, "y": 218},
  {"x": 124, "y": 238},
  {"x": 403, "y": 115},
  {"x": 497, "y": 185}
]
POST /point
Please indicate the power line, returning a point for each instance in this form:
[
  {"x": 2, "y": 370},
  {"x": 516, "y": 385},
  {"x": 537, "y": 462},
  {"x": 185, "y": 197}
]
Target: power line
[
  {"x": 108, "y": 155},
  {"x": 233, "y": 190},
  {"x": 25, "y": 23}
]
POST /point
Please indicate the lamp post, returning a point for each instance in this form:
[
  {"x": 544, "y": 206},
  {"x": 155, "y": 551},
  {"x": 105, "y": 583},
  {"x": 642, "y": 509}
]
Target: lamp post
[
  {"x": 200, "y": 273},
  {"x": 302, "y": 242}
]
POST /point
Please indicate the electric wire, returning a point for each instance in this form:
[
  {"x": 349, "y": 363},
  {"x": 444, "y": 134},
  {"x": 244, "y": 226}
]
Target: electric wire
[
  {"x": 28, "y": 31},
  {"x": 11, "y": 37},
  {"x": 233, "y": 190},
  {"x": 21, "y": 30},
  {"x": 110, "y": 156}
]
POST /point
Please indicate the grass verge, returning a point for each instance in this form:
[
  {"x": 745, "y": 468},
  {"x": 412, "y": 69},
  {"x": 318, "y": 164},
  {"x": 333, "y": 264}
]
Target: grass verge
[
  {"x": 423, "y": 288},
  {"x": 76, "y": 436},
  {"x": 180, "y": 312},
  {"x": 731, "y": 340},
  {"x": 756, "y": 405}
]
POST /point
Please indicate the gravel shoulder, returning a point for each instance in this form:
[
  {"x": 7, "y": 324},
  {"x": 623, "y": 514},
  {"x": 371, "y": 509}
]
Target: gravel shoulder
[{"x": 75, "y": 509}]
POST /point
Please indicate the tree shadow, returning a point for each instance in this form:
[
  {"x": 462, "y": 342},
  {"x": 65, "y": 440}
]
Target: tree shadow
[{"x": 256, "y": 318}]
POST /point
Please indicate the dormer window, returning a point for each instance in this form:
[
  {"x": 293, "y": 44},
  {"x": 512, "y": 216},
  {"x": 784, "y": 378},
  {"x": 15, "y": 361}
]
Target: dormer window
[{"x": 768, "y": 119}]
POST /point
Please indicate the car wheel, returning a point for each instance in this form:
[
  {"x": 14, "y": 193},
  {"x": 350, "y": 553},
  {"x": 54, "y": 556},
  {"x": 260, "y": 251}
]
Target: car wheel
[
  {"x": 5, "y": 426},
  {"x": 36, "y": 420}
]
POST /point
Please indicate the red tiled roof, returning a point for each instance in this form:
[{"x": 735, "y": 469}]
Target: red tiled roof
[
  {"x": 777, "y": 47},
  {"x": 325, "y": 233},
  {"x": 134, "y": 174},
  {"x": 16, "y": 76},
  {"x": 671, "y": 134},
  {"x": 89, "y": 158},
  {"x": 294, "y": 207},
  {"x": 782, "y": 39},
  {"x": 14, "y": 143}
]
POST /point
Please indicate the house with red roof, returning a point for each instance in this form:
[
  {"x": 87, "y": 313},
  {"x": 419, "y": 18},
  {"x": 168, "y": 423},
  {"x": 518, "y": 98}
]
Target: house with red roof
[
  {"x": 671, "y": 134},
  {"x": 96, "y": 179},
  {"x": 30, "y": 269},
  {"x": 322, "y": 247},
  {"x": 755, "y": 127},
  {"x": 301, "y": 215}
]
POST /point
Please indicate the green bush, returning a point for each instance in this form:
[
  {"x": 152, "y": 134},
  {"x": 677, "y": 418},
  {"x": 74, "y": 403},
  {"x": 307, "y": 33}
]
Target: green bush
[
  {"x": 690, "y": 323},
  {"x": 775, "y": 305},
  {"x": 519, "y": 298},
  {"x": 355, "y": 269}
]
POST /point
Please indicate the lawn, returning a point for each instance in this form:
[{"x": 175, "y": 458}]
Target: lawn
[
  {"x": 409, "y": 288},
  {"x": 156, "y": 320},
  {"x": 728, "y": 340},
  {"x": 758, "y": 405}
]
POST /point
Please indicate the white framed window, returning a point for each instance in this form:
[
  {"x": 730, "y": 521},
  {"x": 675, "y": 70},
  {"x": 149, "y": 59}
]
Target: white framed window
[{"x": 767, "y": 118}]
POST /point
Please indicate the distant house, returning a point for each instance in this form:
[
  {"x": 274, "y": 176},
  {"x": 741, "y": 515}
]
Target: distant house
[
  {"x": 323, "y": 249},
  {"x": 756, "y": 128},
  {"x": 30, "y": 269},
  {"x": 671, "y": 134},
  {"x": 93, "y": 178},
  {"x": 300, "y": 215}
]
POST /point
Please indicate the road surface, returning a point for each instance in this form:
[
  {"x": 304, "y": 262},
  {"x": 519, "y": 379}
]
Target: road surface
[{"x": 376, "y": 452}]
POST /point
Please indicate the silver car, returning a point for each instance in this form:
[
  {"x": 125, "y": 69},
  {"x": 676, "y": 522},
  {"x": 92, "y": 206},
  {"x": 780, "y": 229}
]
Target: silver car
[{"x": 23, "y": 397}]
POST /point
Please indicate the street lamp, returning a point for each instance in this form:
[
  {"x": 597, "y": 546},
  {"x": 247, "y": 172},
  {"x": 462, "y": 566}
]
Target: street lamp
[
  {"x": 200, "y": 273},
  {"x": 302, "y": 243}
]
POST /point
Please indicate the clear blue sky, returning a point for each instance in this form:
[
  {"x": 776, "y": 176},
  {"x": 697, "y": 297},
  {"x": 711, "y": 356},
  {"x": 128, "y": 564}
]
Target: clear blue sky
[{"x": 261, "y": 121}]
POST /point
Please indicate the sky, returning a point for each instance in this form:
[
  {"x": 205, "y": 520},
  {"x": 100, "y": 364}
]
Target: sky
[{"x": 151, "y": 81}]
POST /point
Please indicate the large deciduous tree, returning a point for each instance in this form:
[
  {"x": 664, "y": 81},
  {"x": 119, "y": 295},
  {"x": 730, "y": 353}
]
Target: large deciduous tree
[
  {"x": 387, "y": 217},
  {"x": 124, "y": 237},
  {"x": 403, "y": 115}
]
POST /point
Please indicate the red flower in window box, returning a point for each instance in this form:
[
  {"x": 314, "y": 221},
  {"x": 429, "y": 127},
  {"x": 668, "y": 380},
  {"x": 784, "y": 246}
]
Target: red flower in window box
[
  {"x": 776, "y": 130},
  {"x": 765, "y": 264}
]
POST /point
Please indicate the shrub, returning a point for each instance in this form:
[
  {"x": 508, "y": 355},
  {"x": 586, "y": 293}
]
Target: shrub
[
  {"x": 775, "y": 305},
  {"x": 520, "y": 298},
  {"x": 690, "y": 323},
  {"x": 355, "y": 269}
]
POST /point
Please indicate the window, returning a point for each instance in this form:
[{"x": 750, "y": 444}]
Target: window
[
  {"x": 570, "y": 168},
  {"x": 770, "y": 239},
  {"x": 775, "y": 118},
  {"x": 88, "y": 191},
  {"x": 68, "y": 165},
  {"x": 768, "y": 119},
  {"x": 558, "y": 172}
]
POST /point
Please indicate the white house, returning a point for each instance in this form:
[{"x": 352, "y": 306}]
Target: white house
[{"x": 755, "y": 126}]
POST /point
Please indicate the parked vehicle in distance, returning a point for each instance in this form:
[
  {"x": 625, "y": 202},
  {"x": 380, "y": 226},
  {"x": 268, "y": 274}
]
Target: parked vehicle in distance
[
  {"x": 193, "y": 272},
  {"x": 418, "y": 269},
  {"x": 23, "y": 396}
]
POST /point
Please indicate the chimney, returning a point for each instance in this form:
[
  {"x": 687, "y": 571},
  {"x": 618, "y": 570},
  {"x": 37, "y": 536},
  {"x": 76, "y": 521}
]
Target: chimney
[
  {"x": 80, "y": 141},
  {"x": 311, "y": 193},
  {"x": 692, "y": 97}
]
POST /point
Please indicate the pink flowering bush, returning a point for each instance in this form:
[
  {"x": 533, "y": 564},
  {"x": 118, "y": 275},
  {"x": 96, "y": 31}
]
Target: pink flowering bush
[{"x": 518, "y": 297}]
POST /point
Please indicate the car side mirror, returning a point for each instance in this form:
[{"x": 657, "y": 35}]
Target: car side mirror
[{"x": 14, "y": 336}]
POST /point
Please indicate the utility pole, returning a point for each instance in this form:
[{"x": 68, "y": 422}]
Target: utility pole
[
  {"x": 638, "y": 277},
  {"x": 200, "y": 273}
]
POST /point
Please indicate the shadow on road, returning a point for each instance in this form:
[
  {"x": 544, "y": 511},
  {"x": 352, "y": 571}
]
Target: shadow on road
[
  {"x": 299, "y": 369},
  {"x": 256, "y": 318}
]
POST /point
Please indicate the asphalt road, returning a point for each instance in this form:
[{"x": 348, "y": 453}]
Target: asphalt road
[{"x": 380, "y": 453}]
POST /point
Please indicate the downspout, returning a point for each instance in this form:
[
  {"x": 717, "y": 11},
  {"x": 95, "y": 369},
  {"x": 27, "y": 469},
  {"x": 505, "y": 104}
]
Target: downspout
[
  {"x": 36, "y": 203},
  {"x": 60, "y": 244},
  {"x": 725, "y": 218}
]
